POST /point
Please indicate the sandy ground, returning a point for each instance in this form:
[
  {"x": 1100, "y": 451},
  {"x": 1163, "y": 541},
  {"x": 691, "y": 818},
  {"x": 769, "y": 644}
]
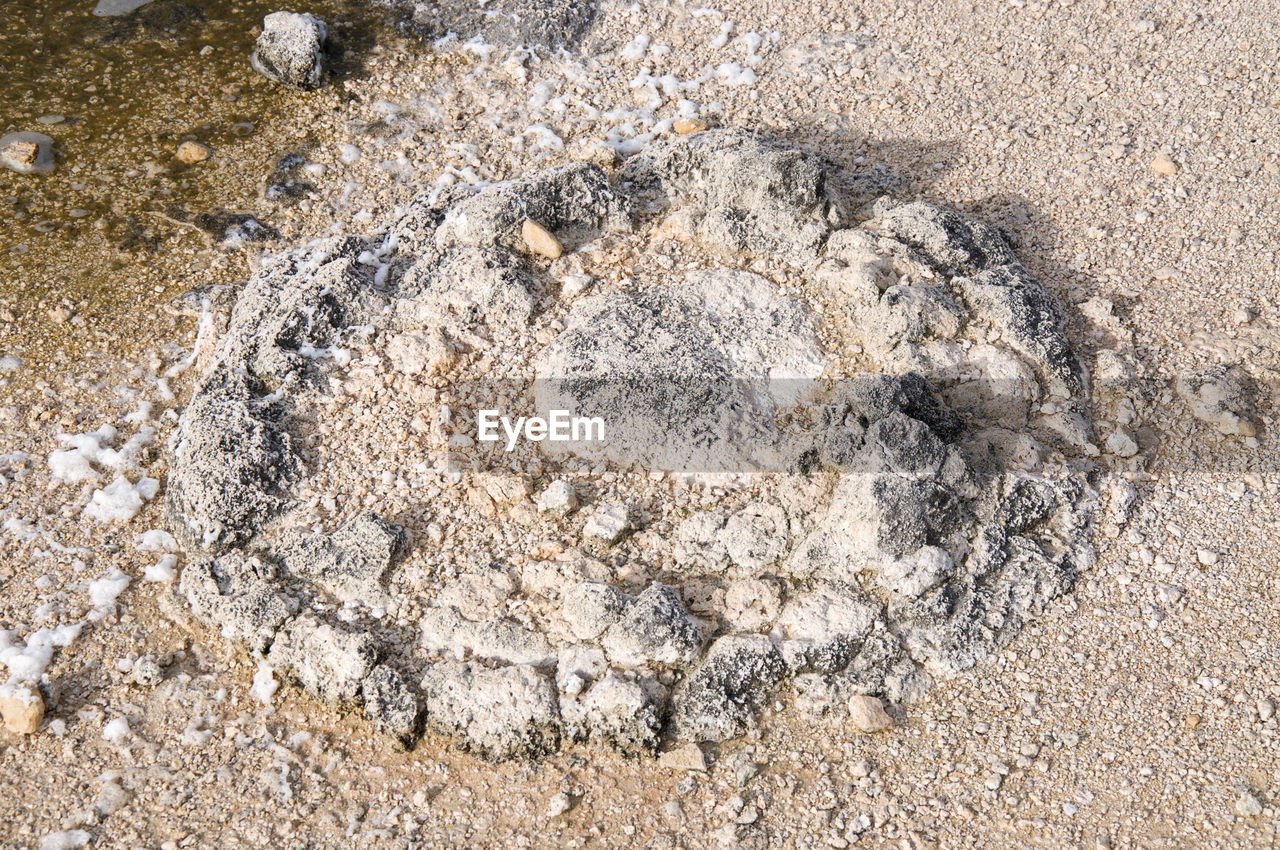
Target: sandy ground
[{"x": 1138, "y": 712}]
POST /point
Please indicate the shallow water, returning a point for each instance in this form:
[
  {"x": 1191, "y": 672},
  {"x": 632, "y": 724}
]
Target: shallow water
[{"x": 94, "y": 242}]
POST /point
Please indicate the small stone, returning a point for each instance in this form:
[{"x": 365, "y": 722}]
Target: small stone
[
  {"x": 22, "y": 709},
  {"x": 291, "y": 49},
  {"x": 609, "y": 524},
  {"x": 1248, "y": 806},
  {"x": 26, "y": 153},
  {"x": 558, "y": 805},
  {"x": 1206, "y": 557},
  {"x": 1121, "y": 443},
  {"x": 146, "y": 671},
  {"x": 684, "y": 126},
  {"x": 574, "y": 285},
  {"x": 559, "y": 498},
  {"x": 686, "y": 757},
  {"x": 1163, "y": 165},
  {"x": 1266, "y": 709},
  {"x": 540, "y": 241},
  {"x": 868, "y": 714},
  {"x": 1221, "y": 396},
  {"x": 191, "y": 152}
]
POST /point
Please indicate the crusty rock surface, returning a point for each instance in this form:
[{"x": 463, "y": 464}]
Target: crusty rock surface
[
  {"x": 1221, "y": 396},
  {"x": 497, "y": 713},
  {"x": 920, "y": 502},
  {"x": 291, "y": 49}
]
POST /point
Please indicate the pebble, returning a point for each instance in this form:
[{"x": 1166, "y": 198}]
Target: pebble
[
  {"x": 192, "y": 152},
  {"x": 558, "y": 805},
  {"x": 868, "y": 714},
  {"x": 609, "y": 524},
  {"x": 1207, "y": 557},
  {"x": 1248, "y": 806},
  {"x": 685, "y": 126},
  {"x": 1162, "y": 164},
  {"x": 685, "y": 757},
  {"x": 1266, "y": 709},
  {"x": 26, "y": 153},
  {"x": 22, "y": 709},
  {"x": 540, "y": 241},
  {"x": 559, "y": 498}
]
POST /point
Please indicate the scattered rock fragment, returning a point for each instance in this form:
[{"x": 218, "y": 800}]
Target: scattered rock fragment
[
  {"x": 190, "y": 153},
  {"x": 1221, "y": 396},
  {"x": 1248, "y": 806},
  {"x": 328, "y": 662},
  {"x": 496, "y": 713},
  {"x": 654, "y": 629},
  {"x": 291, "y": 49},
  {"x": 21, "y": 708},
  {"x": 684, "y": 757},
  {"x": 720, "y": 698},
  {"x": 26, "y": 152},
  {"x": 540, "y": 241},
  {"x": 350, "y": 563},
  {"x": 608, "y": 524},
  {"x": 868, "y": 715},
  {"x": 558, "y": 498},
  {"x": 390, "y": 705},
  {"x": 1163, "y": 165},
  {"x": 240, "y": 596}
]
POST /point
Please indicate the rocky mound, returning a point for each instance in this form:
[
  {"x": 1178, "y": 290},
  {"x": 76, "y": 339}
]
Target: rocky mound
[{"x": 846, "y": 453}]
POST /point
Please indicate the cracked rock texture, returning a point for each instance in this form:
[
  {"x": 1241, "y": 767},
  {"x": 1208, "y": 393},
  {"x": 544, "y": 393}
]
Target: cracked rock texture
[{"x": 900, "y": 385}]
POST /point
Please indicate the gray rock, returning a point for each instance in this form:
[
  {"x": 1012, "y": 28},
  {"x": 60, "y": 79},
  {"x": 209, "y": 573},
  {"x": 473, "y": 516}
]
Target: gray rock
[
  {"x": 591, "y": 607},
  {"x": 240, "y": 596},
  {"x": 327, "y": 662},
  {"x": 465, "y": 288},
  {"x": 823, "y": 630},
  {"x": 496, "y": 639},
  {"x": 655, "y": 629},
  {"x": 720, "y": 698},
  {"x": 296, "y": 305},
  {"x": 1223, "y": 397},
  {"x": 230, "y": 463},
  {"x": 558, "y": 498},
  {"x": 26, "y": 152},
  {"x": 498, "y": 714},
  {"x": 575, "y": 202},
  {"x": 608, "y": 524},
  {"x": 391, "y": 706},
  {"x": 1029, "y": 319},
  {"x": 351, "y": 562},
  {"x": 757, "y": 536},
  {"x": 748, "y": 194},
  {"x": 689, "y": 376},
  {"x": 291, "y": 49},
  {"x": 515, "y": 23},
  {"x": 622, "y": 712},
  {"x": 955, "y": 244}
]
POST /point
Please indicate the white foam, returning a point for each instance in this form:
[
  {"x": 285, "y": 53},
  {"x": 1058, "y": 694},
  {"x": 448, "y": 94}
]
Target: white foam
[
  {"x": 116, "y": 731},
  {"x": 121, "y": 500},
  {"x": 264, "y": 684},
  {"x": 104, "y": 591},
  {"x": 157, "y": 540},
  {"x": 163, "y": 570}
]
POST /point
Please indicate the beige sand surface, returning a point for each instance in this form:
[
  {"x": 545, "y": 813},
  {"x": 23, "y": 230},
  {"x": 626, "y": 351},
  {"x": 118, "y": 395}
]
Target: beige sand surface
[{"x": 1138, "y": 712}]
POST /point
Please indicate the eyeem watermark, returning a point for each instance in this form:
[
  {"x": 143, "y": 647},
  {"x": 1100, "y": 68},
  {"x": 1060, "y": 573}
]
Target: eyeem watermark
[{"x": 559, "y": 426}]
